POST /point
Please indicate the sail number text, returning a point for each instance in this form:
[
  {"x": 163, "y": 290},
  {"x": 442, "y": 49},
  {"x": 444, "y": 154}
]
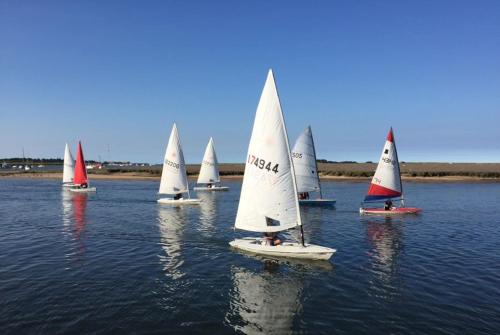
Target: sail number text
[
  {"x": 172, "y": 164},
  {"x": 296, "y": 155},
  {"x": 262, "y": 164},
  {"x": 389, "y": 161}
]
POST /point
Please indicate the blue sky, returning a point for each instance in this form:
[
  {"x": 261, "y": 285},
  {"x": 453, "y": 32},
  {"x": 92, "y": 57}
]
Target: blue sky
[{"x": 118, "y": 73}]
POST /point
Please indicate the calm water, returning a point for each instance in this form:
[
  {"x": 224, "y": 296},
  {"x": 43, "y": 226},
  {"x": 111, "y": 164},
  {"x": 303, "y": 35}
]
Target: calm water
[{"x": 118, "y": 262}]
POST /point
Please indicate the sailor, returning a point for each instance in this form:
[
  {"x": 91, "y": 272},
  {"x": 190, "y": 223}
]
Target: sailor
[
  {"x": 177, "y": 196},
  {"x": 272, "y": 239},
  {"x": 388, "y": 205}
]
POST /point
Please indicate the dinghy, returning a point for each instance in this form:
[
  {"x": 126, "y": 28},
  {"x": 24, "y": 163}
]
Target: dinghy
[
  {"x": 268, "y": 201},
  {"x": 80, "y": 180},
  {"x": 306, "y": 171},
  {"x": 209, "y": 171},
  {"x": 386, "y": 184},
  {"x": 68, "y": 168},
  {"x": 174, "y": 180}
]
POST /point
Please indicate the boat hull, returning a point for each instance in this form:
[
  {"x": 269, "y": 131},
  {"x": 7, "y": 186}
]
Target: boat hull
[
  {"x": 394, "y": 211},
  {"x": 179, "y": 202},
  {"x": 286, "y": 249},
  {"x": 83, "y": 190},
  {"x": 318, "y": 202},
  {"x": 68, "y": 185},
  {"x": 216, "y": 188}
]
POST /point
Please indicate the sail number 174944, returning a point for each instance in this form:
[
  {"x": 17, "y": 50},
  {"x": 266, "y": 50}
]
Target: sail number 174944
[{"x": 262, "y": 164}]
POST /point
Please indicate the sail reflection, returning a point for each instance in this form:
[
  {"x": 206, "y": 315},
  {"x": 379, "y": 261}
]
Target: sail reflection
[
  {"x": 67, "y": 210},
  {"x": 207, "y": 211},
  {"x": 171, "y": 221},
  {"x": 79, "y": 208},
  {"x": 386, "y": 239},
  {"x": 265, "y": 301},
  {"x": 74, "y": 206}
]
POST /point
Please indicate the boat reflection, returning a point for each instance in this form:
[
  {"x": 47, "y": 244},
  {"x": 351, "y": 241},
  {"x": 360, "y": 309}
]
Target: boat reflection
[
  {"x": 208, "y": 211},
  {"x": 264, "y": 301},
  {"x": 79, "y": 208},
  {"x": 74, "y": 207},
  {"x": 171, "y": 222},
  {"x": 385, "y": 236}
]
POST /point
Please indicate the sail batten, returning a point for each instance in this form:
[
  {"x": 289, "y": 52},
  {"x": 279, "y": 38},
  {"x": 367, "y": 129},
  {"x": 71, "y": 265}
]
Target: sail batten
[
  {"x": 209, "y": 171},
  {"x": 174, "y": 177},
  {"x": 386, "y": 183},
  {"x": 68, "y": 166},
  {"x": 268, "y": 200},
  {"x": 304, "y": 162}
]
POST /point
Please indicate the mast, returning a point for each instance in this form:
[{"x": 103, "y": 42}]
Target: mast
[
  {"x": 316, "y": 164},
  {"x": 295, "y": 195},
  {"x": 399, "y": 167}
]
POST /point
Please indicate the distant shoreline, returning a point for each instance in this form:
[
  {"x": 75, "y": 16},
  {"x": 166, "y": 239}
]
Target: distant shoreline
[
  {"x": 144, "y": 176},
  {"x": 411, "y": 172}
]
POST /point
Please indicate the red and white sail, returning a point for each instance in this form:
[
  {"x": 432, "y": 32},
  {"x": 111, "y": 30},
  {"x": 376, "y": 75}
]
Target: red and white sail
[
  {"x": 80, "y": 168},
  {"x": 386, "y": 182}
]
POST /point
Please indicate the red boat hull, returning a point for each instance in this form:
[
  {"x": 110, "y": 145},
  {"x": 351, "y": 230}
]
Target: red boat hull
[{"x": 394, "y": 211}]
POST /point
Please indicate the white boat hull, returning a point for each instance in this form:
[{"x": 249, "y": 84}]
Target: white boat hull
[
  {"x": 68, "y": 185},
  {"x": 215, "y": 188},
  {"x": 318, "y": 202},
  {"x": 83, "y": 190},
  {"x": 286, "y": 249},
  {"x": 179, "y": 202}
]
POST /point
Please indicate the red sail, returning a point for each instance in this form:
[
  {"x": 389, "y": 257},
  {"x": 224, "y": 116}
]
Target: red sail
[{"x": 80, "y": 170}]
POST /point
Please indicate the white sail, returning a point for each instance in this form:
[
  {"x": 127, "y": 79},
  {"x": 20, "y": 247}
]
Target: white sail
[
  {"x": 386, "y": 182},
  {"x": 304, "y": 162},
  {"x": 268, "y": 200},
  {"x": 174, "y": 177},
  {"x": 209, "y": 172},
  {"x": 69, "y": 166}
]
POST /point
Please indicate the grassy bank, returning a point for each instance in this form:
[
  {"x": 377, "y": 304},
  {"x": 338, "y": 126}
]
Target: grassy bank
[{"x": 416, "y": 171}]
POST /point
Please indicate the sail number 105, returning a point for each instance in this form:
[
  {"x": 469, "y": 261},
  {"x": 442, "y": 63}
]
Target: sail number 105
[{"x": 262, "y": 164}]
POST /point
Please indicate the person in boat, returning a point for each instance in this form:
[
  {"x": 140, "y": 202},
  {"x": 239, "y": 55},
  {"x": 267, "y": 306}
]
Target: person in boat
[
  {"x": 209, "y": 185},
  {"x": 84, "y": 185},
  {"x": 177, "y": 196},
  {"x": 303, "y": 195},
  {"x": 388, "y": 205},
  {"x": 272, "y": 239}
]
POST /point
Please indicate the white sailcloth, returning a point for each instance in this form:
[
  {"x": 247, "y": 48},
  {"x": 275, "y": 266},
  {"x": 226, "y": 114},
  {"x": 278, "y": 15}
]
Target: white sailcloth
[
  {"x": 268, "y": 200},
  {"x": 386, "y": 182},
  {"x": 209, "y": 172},
  {"x": 304, "y": 162},
  {"x": 69, "y": 166},
  {"x": 173, "y": 176}
]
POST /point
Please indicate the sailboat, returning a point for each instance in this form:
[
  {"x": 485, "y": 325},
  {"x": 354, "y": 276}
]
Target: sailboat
[
  {"x": 68, "y": 168},
  {"x": 173, "y": 176},
  {"x": 268, "y": 200},
  {"x": 209, "y": 171},
  {"x": 386, "y": 184},
  {"x": 306, "y": 170},
  {"x": 80, "y": 180}
]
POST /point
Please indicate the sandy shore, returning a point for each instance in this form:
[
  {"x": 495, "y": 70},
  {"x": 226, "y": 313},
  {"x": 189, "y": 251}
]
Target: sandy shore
[{"x": 144, "y": 176}]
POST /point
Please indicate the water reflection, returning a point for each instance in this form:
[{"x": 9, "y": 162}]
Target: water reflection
[
  {"x": 207, "y": 212},
  {"x": 74, "y": 207},
  {"x": 171, "y": 222},
  {"x": 264, "y": 301},
  {"x": 387, "y": 245}
]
